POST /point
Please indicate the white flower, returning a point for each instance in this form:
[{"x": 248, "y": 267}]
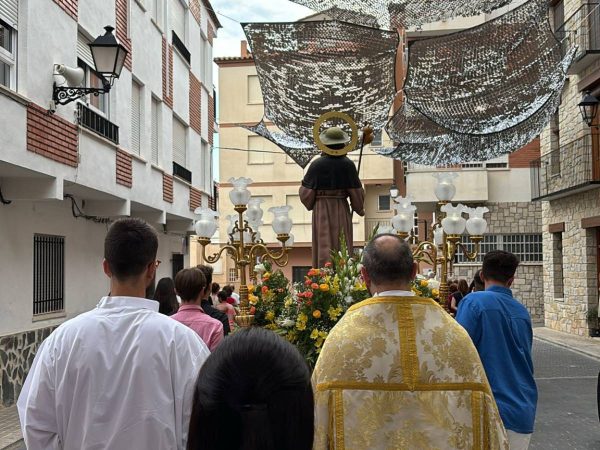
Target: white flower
[
  {"x": 359, "y": 267},
  {"x": 287, "y": 323},
  {"x": 260, "y": 268},
  {"x": 349, "y": 299}
]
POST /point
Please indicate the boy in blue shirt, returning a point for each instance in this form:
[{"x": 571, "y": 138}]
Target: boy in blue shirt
[{"x": 500, "y": 328}]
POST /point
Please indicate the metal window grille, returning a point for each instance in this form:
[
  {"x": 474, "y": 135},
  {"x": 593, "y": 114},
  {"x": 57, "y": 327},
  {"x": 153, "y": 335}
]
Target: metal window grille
[
  {"x": 527, "y": 247},
  {"x": 98, "y": 124},
  {"x": 299, "y": 272},
  {"x": 496, "y": 165},
  {"x": 232, "y": 276},
  {"x": 48, "y": 273}
]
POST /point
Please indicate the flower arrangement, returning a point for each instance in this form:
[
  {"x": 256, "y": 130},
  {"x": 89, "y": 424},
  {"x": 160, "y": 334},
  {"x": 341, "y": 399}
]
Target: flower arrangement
[{"x": 268, "y": 296}]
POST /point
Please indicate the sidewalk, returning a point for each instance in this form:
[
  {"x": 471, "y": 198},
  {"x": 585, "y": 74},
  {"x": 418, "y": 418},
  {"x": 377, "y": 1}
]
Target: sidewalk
[
  {"x": 10, "y": 429},
  {"x": 585, "y": 345}
]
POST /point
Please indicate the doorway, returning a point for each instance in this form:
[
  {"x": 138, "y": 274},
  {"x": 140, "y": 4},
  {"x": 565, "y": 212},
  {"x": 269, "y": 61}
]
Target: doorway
[{"x": 176, "y": 263}]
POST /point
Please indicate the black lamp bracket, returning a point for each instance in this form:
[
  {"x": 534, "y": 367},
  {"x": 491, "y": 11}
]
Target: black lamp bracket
[{"x": 63, "y": 95}]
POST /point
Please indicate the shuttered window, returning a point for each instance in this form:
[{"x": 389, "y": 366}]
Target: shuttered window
[
  {"x": 9, "y": 12},
  {"x": 136, "y": 117},
  {"x": 154, "y": 133},
  {"x": 258, "y": 152},
  {"x": 83, "y": 51},
  {"x": 179, "y": 148},
  {"x": 177, "y": 18}
]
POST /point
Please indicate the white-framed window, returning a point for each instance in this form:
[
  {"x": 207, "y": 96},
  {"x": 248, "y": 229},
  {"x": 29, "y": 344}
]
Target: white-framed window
[
  {"x": 8, "y": 52},
  {"x": 136, "y": 117},
  {"x": 207, "y": 62},
  {"x": 155, "y": 127},
  {"x": 99, "y": 103},
  {"x": 157, "y": 10},
  {"x": 258, "y": 153},
  {"x": 177, "y": 19},
  {"x": 232, "y": 275},
  {"x": 254, "y": 92},
  {"x": 527, "y": 247},
  {"x": 179, "y": 142},
  {"x": 385, "y": 203}
]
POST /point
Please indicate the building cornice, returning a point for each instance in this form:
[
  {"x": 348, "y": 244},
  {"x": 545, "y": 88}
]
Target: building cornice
[
  {"x": 234, "y": 61},
  {"x": 212, "y": 14}
]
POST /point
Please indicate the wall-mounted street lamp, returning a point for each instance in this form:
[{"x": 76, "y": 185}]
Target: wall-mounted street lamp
[
  {"x": 589, "y": 108},
  {"x": 109, "y": 56}
]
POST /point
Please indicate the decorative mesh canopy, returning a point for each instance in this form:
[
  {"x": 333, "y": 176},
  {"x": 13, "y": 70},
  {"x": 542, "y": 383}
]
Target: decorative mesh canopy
[
  {"x": 309, "y": 68},
  {"x": 488, "y": 78},
  {"x": 424, "y": 142},
  {"x": 401, "y": 13}
]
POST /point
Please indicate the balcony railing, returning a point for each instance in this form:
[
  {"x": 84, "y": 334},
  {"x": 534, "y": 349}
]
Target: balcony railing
[
  {"x": 97, "y": 123},
  {"x": 582, "y": 28},
  {"x": 370, "y": 225},
  {"x": 569, "y": 169}
]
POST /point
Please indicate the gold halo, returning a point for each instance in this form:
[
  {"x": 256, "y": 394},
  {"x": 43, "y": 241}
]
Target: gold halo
[{"x": 335, "y": 115}]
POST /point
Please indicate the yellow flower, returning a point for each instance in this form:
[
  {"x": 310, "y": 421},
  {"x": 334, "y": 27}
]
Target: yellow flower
[
  {"x": 319, "y": 342},
  {"x": 270, "y": 316},
  {"x": 323, "y": 334},
  {"x": 324, "y": 287},
  {"x": 289, "y": 302},
  {"x": 424, "y": 283},
  {"x": 251, "y": 288},
  {"x": 358, "y": 286},
  {"x": 253, "y": 299},
  {"x": 301, "y": 325},
  {"x": 435, "y": 292},
  {"x": 267, "y": 275},
  {"x": 314, "y": 334},
  {"x": 334, "y": 312},
  {"x": 316, "y": 314},
  {"x": 302, "y": 317},
  {"x": 416, "y": 291}
]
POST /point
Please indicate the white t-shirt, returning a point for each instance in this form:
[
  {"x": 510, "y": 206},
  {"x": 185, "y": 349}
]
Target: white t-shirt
[{"x": 120, "y": 376}]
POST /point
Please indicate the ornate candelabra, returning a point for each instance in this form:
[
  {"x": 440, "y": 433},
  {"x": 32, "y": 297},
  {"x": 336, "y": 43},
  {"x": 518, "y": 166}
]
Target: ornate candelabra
[
  {"x": 447, "y": 230},
  {"x": 245, "y": 246}
]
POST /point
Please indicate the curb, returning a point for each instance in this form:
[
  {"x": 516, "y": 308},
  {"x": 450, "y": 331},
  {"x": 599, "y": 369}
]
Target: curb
[
  {"x": 15, "y": 445},
  {"x": 568, "y": 347}
]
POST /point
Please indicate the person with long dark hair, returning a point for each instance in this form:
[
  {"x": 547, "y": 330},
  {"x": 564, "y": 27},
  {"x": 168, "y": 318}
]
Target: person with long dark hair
[
  {"x": 253, "y": 393},
  {"x": 166, "y": 297},
  {"x": 457, "y": 296}
]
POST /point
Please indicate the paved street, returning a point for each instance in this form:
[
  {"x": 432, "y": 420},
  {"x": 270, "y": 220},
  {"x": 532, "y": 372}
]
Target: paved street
[{"x": 567, "y": 416}]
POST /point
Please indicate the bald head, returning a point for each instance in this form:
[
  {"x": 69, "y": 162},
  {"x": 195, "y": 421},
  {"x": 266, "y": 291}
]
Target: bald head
[{"x": 388, "y": 260}]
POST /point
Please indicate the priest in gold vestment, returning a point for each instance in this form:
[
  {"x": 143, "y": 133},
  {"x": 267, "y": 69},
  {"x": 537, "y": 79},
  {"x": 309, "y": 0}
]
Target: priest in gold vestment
[{"x": 397, "y": 372}]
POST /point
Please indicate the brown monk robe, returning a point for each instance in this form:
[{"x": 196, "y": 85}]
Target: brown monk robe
[{"x": 328, "y": 184}]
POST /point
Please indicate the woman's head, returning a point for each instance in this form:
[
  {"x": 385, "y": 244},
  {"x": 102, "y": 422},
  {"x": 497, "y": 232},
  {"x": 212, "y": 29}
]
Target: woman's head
[
  {"x": 253, "y": 393},
  {"x": 215, "y": 288},
  {"x": 463, "y": 287},
  {"x": 165, "y": 296},
  {"x": 453, "y": 288},
  {"x": 222, "y": 296}
]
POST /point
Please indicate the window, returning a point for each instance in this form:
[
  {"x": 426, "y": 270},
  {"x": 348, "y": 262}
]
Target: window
[
  {"x": 207, "y": 62},
  {"x": 154, "y": 138},
  {"x": 377, "y": 139},
  {"x": 232, "y": 275},
  {"x": 177, "y": 17},
  {"x": 472, "y": 165},
  {"x": 90, "y": 119},
  {"x": 48, "y": 273},
  {"x": 299, "y": 272},
  {"x": 254, "y": 92},
  {"x": 558, "y": 12},
  {"x": 8, "y": 43},
  {"x": 206, "y": 166},
  {"x": 179, "y": 143},
  {"x": 527, "y": 247},
  {"x": 136, "y": 117},
  {"x": 496, "y": 165},
  {"x": 157, "y": 11},
  {"x": 258, "y": 152},
  {"x": 384, "y": 203},
  {"x": 557, "y": 265}
]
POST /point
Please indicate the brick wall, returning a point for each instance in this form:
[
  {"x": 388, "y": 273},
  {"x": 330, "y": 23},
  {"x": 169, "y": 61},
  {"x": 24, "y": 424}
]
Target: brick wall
[
  {"x": 51, "y": 136},
  {"x": 167, "y": 73},
  {"x": 195, "y": 199},
  {"x": 211, "y": 33},
  {"x": 68, "y": 6},
  {"x": 122, "y": 22},
  {"x": 167, "y": 188},
  {"x": 124, "y": 168},
  {"x": 195, "y": 104},
  {"x": 195, "y": 10},
  {"x": 211, "y": 118},
  {"x": 522, "y": 157}
]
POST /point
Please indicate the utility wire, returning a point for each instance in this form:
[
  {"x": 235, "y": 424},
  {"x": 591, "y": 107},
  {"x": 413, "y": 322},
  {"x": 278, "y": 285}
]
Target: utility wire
[{"x": 245, "y": 150}]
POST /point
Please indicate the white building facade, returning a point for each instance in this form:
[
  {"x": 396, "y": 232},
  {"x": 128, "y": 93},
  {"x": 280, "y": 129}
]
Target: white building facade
[{"x": 142, "y": 150}]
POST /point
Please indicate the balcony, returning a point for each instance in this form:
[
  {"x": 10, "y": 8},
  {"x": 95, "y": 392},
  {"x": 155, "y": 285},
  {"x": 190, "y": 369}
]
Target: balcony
[
  {"x": 572, "y": 168},
  {"x": 370, "y": 225},
  {"x": 95, "y": 122},
  {"x": 582, "y": 29}
]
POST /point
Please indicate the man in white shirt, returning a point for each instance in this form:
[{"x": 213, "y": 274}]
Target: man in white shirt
[
  {"x": 120, "y": 376},
  {"x": 234, "y": 295}
]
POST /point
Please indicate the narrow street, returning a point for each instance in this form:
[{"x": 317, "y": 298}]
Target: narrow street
[{"x": 567, "y": 415}]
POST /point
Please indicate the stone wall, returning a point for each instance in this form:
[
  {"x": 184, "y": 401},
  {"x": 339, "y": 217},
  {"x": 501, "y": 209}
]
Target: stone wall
[
  {"x": 16, "y": 356},
  {"x": 579, "y": 284}
]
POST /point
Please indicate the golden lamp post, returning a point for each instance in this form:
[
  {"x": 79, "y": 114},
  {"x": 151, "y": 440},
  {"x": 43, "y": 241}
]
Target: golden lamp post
[
  {"x": 245, "y": 247},
  {"x": 447, "y": 231}
]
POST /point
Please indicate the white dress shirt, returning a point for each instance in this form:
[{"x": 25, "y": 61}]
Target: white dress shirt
[
  {"x": 118, "y": 377},
  {"x": 394, "y": 294}
]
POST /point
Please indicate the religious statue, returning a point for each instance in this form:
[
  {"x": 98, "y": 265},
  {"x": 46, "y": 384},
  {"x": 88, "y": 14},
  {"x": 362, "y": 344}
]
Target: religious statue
[{"x": 329, "y": 182}]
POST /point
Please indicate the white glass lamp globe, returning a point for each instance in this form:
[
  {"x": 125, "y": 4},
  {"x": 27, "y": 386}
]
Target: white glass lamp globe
[
  {"x": 403, "y": 222},
  {"x": 290, "y": 241},
  {"x": 282, "y": 224},
  {"x": 438, "y": 236},
  {"x": 444, "y": 189},
  {"x": 454, "y": 223},
  {"x": 476, "y": 225},
  {"x": 240, "y": 195},
  {"x": 255, "y": 212},
  {"x": 206, "y": 226}
]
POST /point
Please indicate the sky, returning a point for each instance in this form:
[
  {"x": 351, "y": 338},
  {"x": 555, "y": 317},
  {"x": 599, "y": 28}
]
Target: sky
[{"x": 229, "y": 37}]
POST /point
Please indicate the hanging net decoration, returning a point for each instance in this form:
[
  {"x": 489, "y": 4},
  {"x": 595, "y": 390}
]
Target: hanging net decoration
[
  {"x": 391, "y": 14},
  {"x": 310, "y": 68},
  {"x": 479, "y": 82}
]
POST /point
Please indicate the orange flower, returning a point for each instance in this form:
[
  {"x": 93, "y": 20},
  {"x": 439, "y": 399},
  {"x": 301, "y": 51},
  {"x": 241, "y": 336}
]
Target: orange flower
[
  {"x": 308, "y": 294},
  {"x": 265, "y": 289},
  {"x": 252, "y": 310},
  {"x": 317, "y": 314},
  {"x": 328, "y": 264},
  {"x": 308, "y": 282},
  {"x": 314, "y": 272},
  {"x": 314, "y": 286},
  {"x": 324, "y": 287}
]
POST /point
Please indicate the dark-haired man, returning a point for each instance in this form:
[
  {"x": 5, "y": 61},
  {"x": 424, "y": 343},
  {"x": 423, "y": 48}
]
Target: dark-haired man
[
  {"x": 191, "y": 286},
  {"x": 500, "y": 327},
  {"x": 120, "y": 376},
  {"x": 206, "y": 303},
  {"x": 398, "y": 372}
]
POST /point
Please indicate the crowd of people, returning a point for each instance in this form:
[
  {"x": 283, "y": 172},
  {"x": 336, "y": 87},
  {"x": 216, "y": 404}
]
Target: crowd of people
[{"x": 396, "y": 372}]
